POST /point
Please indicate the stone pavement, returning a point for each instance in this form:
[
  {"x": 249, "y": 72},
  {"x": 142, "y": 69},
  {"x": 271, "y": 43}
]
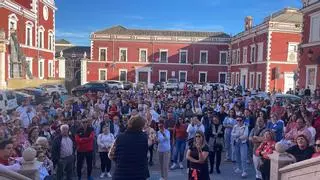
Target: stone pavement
[{"x": 227, "y": 172}]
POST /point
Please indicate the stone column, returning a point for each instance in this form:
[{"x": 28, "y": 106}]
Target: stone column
[
  {"x": 279, "y": 159},
  {"x": 30, "y": 167},
  {"x": 84, "y": 70}
]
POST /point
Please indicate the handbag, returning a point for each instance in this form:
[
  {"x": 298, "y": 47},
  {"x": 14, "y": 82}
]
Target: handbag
[{"x": 112, "y": 151}]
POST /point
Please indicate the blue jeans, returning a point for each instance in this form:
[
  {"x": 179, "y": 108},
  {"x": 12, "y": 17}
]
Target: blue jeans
[
  {"x": 228, "y": 145},
  {"x": 241, "y": 150},
  {"x": 180, "y": 147}
]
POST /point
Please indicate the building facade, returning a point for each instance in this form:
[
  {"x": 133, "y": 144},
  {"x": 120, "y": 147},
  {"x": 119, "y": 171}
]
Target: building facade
[
  {"x": 309, "y": 64},
  {"x": 265, "y": 56},
  {"x": 27, "y": 42},
  {"x": 149, "y": 56}
]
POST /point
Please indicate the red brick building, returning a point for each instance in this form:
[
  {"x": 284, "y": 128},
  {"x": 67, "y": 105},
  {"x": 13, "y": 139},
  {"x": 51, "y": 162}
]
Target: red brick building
[
  {"x": 124, "y": 54},
  {"x": 309, "y": 64},
  {"x": 27, "y": 26},
  {"x": 265, "y": 56}
]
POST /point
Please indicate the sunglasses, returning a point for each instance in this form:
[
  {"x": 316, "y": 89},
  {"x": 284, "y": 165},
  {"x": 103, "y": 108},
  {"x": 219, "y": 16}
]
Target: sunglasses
[
  {"x": 198, "y": 136},
  {"x": 317, "y": 145}
]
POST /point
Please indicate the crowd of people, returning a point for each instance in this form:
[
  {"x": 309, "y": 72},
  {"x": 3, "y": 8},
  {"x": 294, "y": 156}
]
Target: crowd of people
[{"x": 123, "y": 130}]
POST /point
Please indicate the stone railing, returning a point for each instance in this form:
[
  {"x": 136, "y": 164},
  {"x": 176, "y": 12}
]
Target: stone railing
[
  {"x": 308, "y": 170},
  {"x": 284, "y": 168},
  {"x": 29, "y": 168},
  {"x": 6, "y": 174}
]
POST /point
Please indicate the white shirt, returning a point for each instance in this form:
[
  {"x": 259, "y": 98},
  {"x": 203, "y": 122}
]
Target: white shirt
[
  {"x": 191, "y": 130},
  {"x": 66, "y": 148},
  {"x": 26, "y": 118},
  {"x": 105, "y": 141}
]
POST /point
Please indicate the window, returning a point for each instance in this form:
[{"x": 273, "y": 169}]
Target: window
[
  {"x": 123, "y": 75},
  {"x": 292, "y": 52},
  {"x": 260, "y": 52},
  {"x": 245, "y": 55},
  {"x": 232, "y": 79},
  {"x": 163, "y": 56},
  {"x": 253, "y": 53},
  {"x": 29, "y": 64},
  {"x": 223, "y": 57},
  {"x": 314, "y": 28},
  {"x": 12, "y": 21},
  {"x": 259, "y": 80},
  {"x": 163, "y": 75},
  {"x": 202, "y": 77},
  {"x": 50, "y": 40},
  {"x": 143, "y": 54},
  {"x": 203, "y": 57},
  {"x": 102, "y": 54},
  {"x": 251, "y": 80},
  {"x": 29, "y": 27},
  {"x": 237, "y": 78},
  {"x": 183, "y": 76},
  {"x": 41, "y": 37},
  {"x": 234, "y": 54},
  {"x": 222, "y": 77},
  {"x": 50, "y": 69},
  {"x": 311, "y": 77},
  {"x": 102, "y": 74},
  {"x": 238, "y": 56},
  {"x": 183, "y": 56},
  {"x": 41, "y": 68},
  {"x": 123, "y": 54}
]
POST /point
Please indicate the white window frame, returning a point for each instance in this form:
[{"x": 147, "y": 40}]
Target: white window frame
[
  {"x": 50, "y": 42},
  {"x": 180, "y": 55},
  {"x": 312, "y": 17},
  {"x": 207, "y": 54},
  {"x": 41, "y": 31},
  {"x": 258, "y": 85},
  {"x": 220, "y": 60},
  {"x": 126, "y": 49},
  {"x": 237, "y": 80},
  {"x": 289, "y": 52},
  {"x": 106, "y": 56},
  {"x": 29, "y": 25},
  {"x": 186, "y": 72},
  {"x": 206, "y": 77},
  {"x": 245, "y": 55},
  {"x": 238, "y": 56},
  {"x": 41, "y": 76},
  {"x": 307, "y": 75},
  {"x": 51, "y": 74},
  {"x": 124, "y": 70},
  {"x": 30, "y": 60},
  {"x": 143, "y": 49},
  {"x": 225, "y": 81},
  {"x": 233, "y": 77},
  {"x": 160, "y": 71},
  {"x": 163, "y": 50},
  {"x": 12, "y": 18},
  {"x": 260, "y": 53},
  {"x": 102, "y": 69},
  {"x": 253, "y": 54},
  {"x": 251, "y": 80}
]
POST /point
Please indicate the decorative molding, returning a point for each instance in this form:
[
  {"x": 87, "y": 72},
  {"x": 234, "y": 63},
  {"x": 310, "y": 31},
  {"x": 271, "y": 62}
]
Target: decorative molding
[
  {"x": 310, "y": 44},
  {"x": 310, "y": 7},
  {"x": 268, "y": 75},
  {"x": 16, "y": 8},
  {"x": 35, "y": 48}
]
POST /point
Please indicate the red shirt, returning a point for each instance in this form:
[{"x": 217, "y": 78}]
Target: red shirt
[
  {"x": 4, "y": 162},
  {"x": 265, "y": 149},
  {"x": 317, "y": 154},
  {"x": 181, "y": 132},
  {"x": 85, "y": 144}
]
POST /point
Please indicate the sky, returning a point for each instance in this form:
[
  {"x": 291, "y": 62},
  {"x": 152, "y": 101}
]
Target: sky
[{"x": 77, "y": 19}]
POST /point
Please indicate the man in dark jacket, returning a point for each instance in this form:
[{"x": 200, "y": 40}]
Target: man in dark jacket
[
  {"x": 62, "y": 153},
  {"x": 130, "y": 152}
]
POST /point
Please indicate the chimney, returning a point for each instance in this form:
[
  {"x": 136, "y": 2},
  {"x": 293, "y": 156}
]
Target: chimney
[{"x": 248, "y": 22}]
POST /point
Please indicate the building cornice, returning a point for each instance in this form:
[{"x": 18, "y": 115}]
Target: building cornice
[
  {"x": 310, "y": 44},
  {"x": 160, "y": 39},
  {"x": 38, "y": 49},
  {"x": 310, "y": 7},
  {"x": 50, "y": 4},
  {"x": 16, "y": 8}
]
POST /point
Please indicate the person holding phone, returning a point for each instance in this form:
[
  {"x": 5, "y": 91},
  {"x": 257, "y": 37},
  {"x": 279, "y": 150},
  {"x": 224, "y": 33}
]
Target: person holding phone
[
  {"x": 197, "y": 154},
  {"x": 164, "y": 147}
]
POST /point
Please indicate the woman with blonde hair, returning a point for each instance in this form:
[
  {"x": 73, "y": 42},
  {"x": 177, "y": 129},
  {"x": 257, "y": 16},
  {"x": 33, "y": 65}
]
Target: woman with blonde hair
[{"x": 198, "y": 154}]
